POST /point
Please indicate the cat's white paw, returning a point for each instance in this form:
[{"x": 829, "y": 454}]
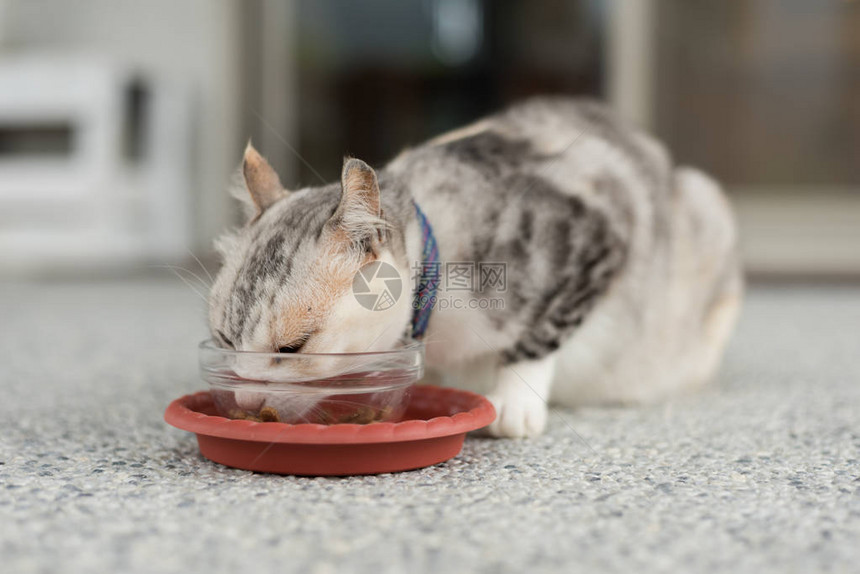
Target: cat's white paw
[{"x": 518, "y": 414}]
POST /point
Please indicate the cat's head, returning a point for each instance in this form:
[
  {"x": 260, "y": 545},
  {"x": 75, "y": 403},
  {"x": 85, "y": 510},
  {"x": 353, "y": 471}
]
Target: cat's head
[{"x": 287, "y": 278}]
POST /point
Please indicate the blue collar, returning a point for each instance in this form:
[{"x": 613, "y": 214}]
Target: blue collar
[{"x": 428, "y": 282}]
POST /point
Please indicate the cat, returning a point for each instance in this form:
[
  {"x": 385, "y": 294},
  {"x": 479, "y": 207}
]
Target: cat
[{"x": 613, "y": 275}]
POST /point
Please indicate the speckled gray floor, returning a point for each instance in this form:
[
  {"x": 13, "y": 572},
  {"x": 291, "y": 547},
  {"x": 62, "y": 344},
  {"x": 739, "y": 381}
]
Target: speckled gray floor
[{"x": 759, "y": 473}]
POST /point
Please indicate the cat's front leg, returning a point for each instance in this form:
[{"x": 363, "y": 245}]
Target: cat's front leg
[{"x": 521, "y": 397}]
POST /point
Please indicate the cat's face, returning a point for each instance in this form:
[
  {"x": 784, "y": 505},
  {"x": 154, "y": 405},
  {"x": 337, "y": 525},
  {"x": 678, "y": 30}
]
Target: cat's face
[{"x": 286, "y": 284}]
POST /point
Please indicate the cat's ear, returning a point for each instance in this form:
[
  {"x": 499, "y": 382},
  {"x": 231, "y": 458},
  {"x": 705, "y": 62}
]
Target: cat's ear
[
  {"x": 261, "y": 180},
  {"x": 360, "y": 211}
]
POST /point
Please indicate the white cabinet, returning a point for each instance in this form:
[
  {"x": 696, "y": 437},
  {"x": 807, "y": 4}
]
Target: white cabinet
[{"x": 95, "y": 164}]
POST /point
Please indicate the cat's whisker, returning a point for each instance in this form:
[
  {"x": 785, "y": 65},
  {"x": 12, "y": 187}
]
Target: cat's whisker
[
  {"x": 187, "y": 283},
  {"x": 287, "y": 144},
  {"x": 196, "y": 292},
  {"x": 203, "y": 267},
  {"x": 431, "y": 340},
  {"x": 174, "y": 268}
]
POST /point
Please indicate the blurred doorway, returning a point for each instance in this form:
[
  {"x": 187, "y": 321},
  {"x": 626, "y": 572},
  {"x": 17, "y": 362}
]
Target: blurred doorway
[{"x": 372, "y": 77}]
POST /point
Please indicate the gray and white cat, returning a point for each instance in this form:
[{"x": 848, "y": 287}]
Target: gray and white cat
[{"x": 622, "y": 282}]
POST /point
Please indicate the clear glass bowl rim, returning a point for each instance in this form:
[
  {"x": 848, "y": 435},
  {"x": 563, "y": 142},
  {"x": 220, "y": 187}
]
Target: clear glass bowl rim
[{"x": 208, "y": 345}]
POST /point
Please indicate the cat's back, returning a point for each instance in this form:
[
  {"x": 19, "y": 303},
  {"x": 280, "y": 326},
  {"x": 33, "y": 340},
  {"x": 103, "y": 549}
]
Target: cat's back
[
  {"x": 578, "y": 137},
  {"x": 540, "y": 155},
  {"x": 537, "y": 117}
]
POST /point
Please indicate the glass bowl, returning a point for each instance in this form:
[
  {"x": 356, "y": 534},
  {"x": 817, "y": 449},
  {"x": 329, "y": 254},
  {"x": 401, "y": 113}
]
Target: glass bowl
[{"x": 320, "y": 388}]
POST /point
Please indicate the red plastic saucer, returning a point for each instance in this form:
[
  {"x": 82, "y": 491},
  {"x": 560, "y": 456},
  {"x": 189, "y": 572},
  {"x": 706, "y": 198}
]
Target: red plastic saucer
[{"x": 435, "y": 426}]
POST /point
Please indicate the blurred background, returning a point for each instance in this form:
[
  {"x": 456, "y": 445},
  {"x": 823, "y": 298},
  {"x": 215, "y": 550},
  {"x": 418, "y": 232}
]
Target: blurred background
[{"x": 121, "y": 122}]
